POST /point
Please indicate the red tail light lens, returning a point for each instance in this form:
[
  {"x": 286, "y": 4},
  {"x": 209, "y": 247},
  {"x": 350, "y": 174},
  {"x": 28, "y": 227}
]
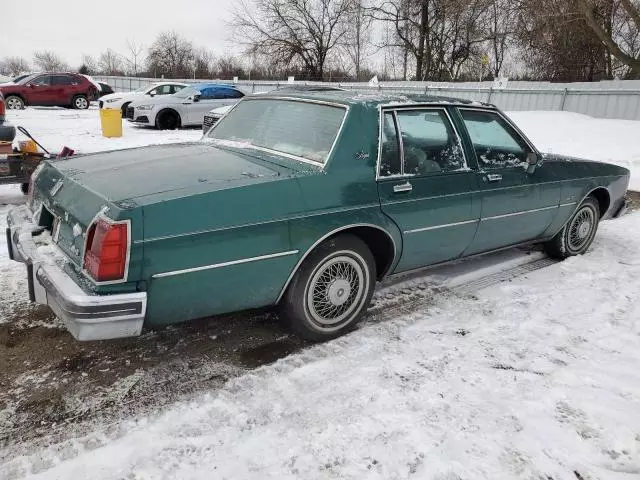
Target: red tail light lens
[
  {"x": 2, "y": 107},
  {"x": 105, "y": 256}
]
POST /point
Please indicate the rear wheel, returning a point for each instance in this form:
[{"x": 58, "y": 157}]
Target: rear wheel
[
  {"x": 14, "y": 102},
  {"x": 168, "y": 120},
  {"x": 331, "y": 290},
  {"x": 124, "y": 109},
  {"x": 576, "y": 236},
  {"x": 80, "y": 102}
]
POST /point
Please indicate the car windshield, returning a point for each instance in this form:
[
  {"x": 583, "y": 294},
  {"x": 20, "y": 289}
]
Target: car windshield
[
  {"x": 186, "y": 92},
  {"x": 302, "y": 129}
]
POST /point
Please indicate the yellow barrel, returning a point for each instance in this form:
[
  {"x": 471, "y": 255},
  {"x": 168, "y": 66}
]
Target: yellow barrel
[{"x": 111, "y": 121}]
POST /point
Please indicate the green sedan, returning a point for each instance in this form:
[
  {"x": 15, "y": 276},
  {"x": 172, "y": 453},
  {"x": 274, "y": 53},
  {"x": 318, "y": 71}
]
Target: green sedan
[{"x": 303, "y": 201}]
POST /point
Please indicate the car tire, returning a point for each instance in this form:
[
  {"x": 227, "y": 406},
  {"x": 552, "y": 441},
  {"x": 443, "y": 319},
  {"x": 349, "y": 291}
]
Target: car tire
[
  {"x": 331, "y": 290},
  {"x": 80, "y": 102},
  {"x": 168, "y": 120},
  {"x": 24, "y": 188},
  {"x": 124, "y": 109},
  {"x": 13, "y": 102},
  {"x": 576, "y": 236}
]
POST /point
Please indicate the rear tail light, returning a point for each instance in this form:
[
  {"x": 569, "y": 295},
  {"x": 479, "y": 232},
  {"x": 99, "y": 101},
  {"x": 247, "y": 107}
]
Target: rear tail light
[
  {"x": 105, "y": 255},
  {"x": 2, "y": 107}
]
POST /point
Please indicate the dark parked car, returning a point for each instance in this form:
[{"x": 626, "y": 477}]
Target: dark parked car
[
  {"x": 7, "y": 131},
  {"x": 51, "y": 89},
  {"x": 105, "y": 89},
  {"x": 299, "y": 200}
]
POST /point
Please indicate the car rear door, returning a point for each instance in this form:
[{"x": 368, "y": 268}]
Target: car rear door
[
  {"x": 426, "y": 185},
  {"x": 62, "y": 89},
  {"x": 516, "y": 206}
]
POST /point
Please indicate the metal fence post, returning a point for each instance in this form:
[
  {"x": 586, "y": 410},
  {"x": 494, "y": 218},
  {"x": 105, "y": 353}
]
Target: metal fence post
[
  {"x": 490, "y": 95},
  {"x": 564, "y": 99}
]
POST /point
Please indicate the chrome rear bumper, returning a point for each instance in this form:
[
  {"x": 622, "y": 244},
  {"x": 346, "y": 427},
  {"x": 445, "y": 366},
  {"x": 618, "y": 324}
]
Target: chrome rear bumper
[{"x": 87, "y": 316}]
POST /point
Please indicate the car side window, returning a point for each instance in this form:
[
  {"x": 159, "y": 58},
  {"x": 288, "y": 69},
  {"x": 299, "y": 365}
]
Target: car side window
[
  {"x": 43, "y": 80},
  {"x": 175, "y": 88},
  {"x": 496, "y": 143},
  {"x": 429, "y": 142},
  {"x": 62, "y": 80},
  {"x": 390, "y": 158}
]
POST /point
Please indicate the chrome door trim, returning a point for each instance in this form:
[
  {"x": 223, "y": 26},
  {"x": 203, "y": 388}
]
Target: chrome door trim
[
  {"x": 523, "y": 212},
  {"x": 437, "y": 227},
  {"x": 224, "y": 264},
  {"x": 323, "y": 238}
]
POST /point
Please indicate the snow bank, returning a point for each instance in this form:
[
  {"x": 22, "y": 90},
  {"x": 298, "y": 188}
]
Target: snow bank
[
  {"x": 606, "y": 140},
  {"x": 537, "y": 378}
]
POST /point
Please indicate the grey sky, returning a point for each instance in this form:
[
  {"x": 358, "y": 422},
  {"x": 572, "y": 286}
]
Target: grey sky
[{"x": 76, "y": 27}]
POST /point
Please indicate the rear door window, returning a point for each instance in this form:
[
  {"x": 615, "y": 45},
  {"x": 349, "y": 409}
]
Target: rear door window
[{"x": 62, "y": 80}]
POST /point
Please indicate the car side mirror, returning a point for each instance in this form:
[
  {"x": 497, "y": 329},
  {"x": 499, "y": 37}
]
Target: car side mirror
[
  {"x": 196, "y": 97},
  {"x": 31, "y": 85},
  {"x": 534, "y": 160},
  {"x": 151, "y": 94}
]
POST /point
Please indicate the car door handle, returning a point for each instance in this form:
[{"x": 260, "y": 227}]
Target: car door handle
[
  {"x": 402, "y": 187},
  {"x": 494, "y": 177}
]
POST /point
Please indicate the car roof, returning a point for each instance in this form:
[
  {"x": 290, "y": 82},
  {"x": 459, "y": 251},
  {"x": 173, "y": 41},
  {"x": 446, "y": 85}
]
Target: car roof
[
  {"x": 201, "y": 86},
  {"x": 168, "y": 83},
  {"x": 352, "y": 97}
]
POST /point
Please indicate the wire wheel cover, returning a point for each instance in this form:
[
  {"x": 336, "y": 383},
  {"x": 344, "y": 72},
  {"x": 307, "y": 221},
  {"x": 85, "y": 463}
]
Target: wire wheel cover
[
  {"x": 581, "y": 228},
  {"x": 335, "y": 290}
]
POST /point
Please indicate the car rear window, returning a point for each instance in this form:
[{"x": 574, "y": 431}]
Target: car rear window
[{"x": 303, "y": 129}]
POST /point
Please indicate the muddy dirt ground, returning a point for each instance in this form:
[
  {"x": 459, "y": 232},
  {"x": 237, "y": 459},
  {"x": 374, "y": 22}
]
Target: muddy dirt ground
[{"x": 50, "y": 382}]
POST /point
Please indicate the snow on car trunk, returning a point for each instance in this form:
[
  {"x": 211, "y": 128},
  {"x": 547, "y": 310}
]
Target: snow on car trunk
[{"x": 536, "y": 378}]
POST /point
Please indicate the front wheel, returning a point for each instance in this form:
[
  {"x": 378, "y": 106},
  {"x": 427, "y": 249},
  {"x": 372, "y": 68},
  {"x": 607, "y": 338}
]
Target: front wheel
[
  {"x": 80, "y": 102},
  {"x": 331, "y": 290},
  {"x": 576, "y": 236},
  {"x": 14, "y": 102},
  {"x": 167, "y": 120}
]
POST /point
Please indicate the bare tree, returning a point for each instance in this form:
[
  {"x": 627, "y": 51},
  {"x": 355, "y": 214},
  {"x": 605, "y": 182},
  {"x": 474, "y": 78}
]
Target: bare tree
[
  {"x": 171, "y": 55},
  {"x": 110, "y": 62},
  {"x": 89, "y": 65},
  {"x": 48, "y": 61},
  {"x": 136, "y": 56},
  {"x": 502, "y": 23},
  {"x": 615, "y": 41},
  {"x": 357, "y": 38},
  {"x": 441, "y": 36},
  {"x": 15, "y": 65},
  {"x": 292, "y": 31}
]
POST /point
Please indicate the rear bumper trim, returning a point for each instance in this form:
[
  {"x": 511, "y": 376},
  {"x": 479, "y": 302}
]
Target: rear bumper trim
[{"x": 87, "y": 316}]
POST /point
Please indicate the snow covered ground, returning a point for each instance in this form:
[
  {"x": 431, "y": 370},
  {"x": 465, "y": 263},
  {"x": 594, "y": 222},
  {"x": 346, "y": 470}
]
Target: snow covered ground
[
  {"x": 567, "y": 133},
  {"x": 535, "y": 379}
]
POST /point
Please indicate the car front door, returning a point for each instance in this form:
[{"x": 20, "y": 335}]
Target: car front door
[
  {"x": 426, "y": 185},
  {"x": 210, "y": 98},
  {"x": 517, "y": 206},
  {"x": 38, "y": 91}
]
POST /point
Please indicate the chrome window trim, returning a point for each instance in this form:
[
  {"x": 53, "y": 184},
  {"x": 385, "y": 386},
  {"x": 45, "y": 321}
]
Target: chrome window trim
[
  {"x": 323, "y": 238},
  {"x": 507, "y": 121},
  {"x": 255, "y": 224},
  {"x": 400, "y": 107},
  {"x": 248, "y": 98},
  {"x": 446, "y": 225},
  {"x": 224, "y": 264}
]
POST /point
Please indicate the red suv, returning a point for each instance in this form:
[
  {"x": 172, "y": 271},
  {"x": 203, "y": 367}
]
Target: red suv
[{"x": 57, "y": 89}]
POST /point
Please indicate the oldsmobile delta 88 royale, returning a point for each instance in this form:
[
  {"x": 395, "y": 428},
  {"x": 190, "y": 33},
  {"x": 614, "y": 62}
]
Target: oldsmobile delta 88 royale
[{"x": 298, "y": 200}]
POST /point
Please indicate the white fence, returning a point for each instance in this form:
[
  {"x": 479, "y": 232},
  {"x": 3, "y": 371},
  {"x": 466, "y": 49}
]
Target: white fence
[{"x": 607, "y": 99}]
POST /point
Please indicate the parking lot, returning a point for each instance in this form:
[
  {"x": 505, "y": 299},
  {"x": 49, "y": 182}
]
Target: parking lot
[{"x": 50, "y": 383}]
